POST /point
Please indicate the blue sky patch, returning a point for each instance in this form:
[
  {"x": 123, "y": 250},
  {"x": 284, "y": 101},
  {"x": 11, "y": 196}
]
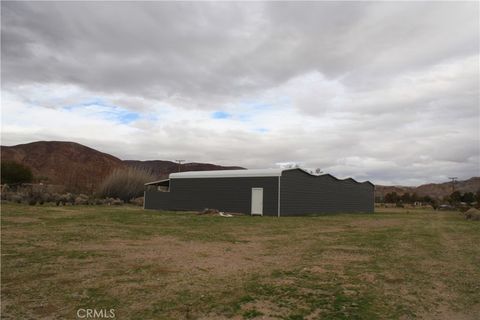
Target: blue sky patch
[
  {"x": 221, "y": 115},
  {"x": 86, "y": 103},
  {"x": 105, "y": 110},
  {"x": 128, "y": 117}
]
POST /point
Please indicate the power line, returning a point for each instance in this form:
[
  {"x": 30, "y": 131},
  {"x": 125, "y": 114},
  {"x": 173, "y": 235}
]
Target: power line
[
  {"x": 454, "y": 180},
  {"x": 179, "y": 163}
]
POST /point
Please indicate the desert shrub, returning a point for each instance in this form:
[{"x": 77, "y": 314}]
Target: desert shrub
[
  {"x": 5, "y": 190},
  {"x": 117, "y": 202},
  {"x": 113, "y": 202},
  {"x": 98, "y": 201},
  {"x": 125, "y": 184},
  {"x": 64, "y": 199},
  {"x": 472, "y": 214},
  {"x": 82, "y": 199},
  {"x": 32, "y": 197},
  {"x": 57, "y": 198},
  {"x": 14, "y": 172},
  {"x": 14, "y": 197},
  {"x": 108, "y": 201},
  {"x": 40, "y": 196},
  {"x": 137, "y": 201}
]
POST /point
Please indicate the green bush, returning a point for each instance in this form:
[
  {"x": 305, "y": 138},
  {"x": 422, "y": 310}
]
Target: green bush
[
  {"x": 14, "y": 172},
  {"x": 125, "y": 184}
]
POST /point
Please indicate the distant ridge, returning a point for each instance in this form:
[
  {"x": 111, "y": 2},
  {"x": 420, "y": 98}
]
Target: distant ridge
[
  {"x": 80, "y": 168},
  {"x": 436, "y": 190},
  {"x": 71, "y": 164},
  {"x": 162, "y": 168}
]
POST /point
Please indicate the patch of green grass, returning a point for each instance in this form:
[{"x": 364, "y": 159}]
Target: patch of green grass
[
  {"x": 98, "y": 298},
  {"x": 387, "y": 265},
  {"x": 250, "y": 314}
]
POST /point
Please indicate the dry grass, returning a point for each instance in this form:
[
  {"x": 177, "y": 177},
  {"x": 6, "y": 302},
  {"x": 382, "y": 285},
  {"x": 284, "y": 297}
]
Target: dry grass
[
  {"x": 125, "y": 184},
  {"x": 163, "y": 265}
]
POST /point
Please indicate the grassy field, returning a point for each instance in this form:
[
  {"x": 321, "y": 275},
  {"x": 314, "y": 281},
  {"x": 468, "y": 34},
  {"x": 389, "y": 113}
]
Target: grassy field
[{"x": 164, "y": 265}]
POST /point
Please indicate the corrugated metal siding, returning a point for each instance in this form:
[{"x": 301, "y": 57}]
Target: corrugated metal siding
[
  {"x": 224, "y": 194},
  {"x": 157, "y": 200},
  {"x": 302, "y": 194}
]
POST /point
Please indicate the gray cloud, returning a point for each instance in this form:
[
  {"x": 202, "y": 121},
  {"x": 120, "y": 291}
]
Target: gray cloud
[
  {"x": 206, "y": 50},
  {"x": 386, "y": 91}
]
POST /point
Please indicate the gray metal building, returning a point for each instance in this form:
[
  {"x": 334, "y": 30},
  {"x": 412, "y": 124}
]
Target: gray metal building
[{"x": 269, "y": 192}]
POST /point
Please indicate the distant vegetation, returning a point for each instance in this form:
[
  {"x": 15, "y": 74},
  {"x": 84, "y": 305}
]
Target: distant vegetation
[
  {"x": 13, "y": 173},
  {"x": 454, "y": 198},
  {"x": 125, "y": 184},
  {"x": 122, "y": 185}
]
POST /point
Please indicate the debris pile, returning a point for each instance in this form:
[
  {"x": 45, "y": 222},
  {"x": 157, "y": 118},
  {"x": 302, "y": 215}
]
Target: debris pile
[
  {"x": 208, "y": 211},
  {"x": 472, "y": 214},
  {"x": 215, "y": 212}
]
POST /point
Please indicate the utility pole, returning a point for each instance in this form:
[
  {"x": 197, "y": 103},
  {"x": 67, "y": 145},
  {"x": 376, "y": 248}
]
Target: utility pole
[
  {"x": 454, "y": 180},
  {"x": 179, "y": 163}
]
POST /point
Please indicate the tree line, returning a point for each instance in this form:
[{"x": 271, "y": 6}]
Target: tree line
[{"x": 454, "y": 198}]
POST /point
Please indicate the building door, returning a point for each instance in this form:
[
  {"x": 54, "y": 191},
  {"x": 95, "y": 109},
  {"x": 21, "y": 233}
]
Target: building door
[{"x": 257, "y": 201}]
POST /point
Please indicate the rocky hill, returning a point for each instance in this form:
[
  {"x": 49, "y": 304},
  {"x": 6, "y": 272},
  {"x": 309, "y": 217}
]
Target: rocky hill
[
  {"x": 71, "y": 164},
  {"x": 80, "y": 168},
  {"x": 436, "y": 190},
  {"x": 162, "y": 169}
]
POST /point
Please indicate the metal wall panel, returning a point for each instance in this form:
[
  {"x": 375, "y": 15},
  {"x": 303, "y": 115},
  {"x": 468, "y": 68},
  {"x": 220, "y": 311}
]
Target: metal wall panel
[
  {"x": 302, "y": 194},
  {"x": 157, "y": 200},
  {"x": 224, "y": 194}
]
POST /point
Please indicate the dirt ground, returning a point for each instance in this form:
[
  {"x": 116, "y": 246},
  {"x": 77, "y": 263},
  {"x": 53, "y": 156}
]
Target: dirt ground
[{"x": 165, "y": 265}]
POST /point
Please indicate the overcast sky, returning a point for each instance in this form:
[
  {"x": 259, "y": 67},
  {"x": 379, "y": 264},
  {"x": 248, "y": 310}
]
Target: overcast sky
[{"x": 382, "y": 91}]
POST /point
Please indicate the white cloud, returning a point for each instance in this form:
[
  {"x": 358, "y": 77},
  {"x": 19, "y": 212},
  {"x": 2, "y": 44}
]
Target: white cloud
[{"x": 351, "y": 88}]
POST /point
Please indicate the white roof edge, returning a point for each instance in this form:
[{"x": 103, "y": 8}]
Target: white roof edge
[
  {"x": 155, "y": 182},
  {"x": 227, "y": 173}
]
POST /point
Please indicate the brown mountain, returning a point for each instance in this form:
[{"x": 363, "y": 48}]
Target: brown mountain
[
  {"x": 162, "y": 169},
  {"x": 73, "y": 165},
  {"x": 80, "y": 168},
  {"x": 437, "y": 190}
]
